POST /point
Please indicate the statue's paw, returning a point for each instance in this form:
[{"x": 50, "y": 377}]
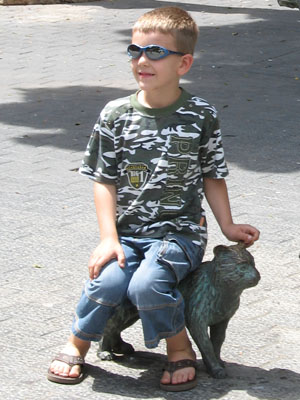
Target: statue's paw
[
  {"x": 221, "y": 362},
  {"x": 218, "y": 373},
  {"x": 123, "y": 348},
  {"x": 105, "y": 355}
]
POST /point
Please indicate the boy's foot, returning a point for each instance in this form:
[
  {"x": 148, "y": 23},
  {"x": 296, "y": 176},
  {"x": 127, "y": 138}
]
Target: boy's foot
[
  {"x": 180, "y": 371},
  {"x": 67, "y": 367},
  {"x": 72, "y": 362},
  {"x": 181, "y": 367}
]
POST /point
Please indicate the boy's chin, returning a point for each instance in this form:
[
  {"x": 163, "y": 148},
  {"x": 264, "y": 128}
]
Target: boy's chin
[{"x": 145, "y": 88}]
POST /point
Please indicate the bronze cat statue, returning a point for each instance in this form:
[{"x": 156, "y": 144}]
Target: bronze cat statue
[{"x": 212, "y": 296}]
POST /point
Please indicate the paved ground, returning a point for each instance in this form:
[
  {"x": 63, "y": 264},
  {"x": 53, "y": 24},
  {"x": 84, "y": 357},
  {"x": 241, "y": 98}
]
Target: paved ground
[{"x": 59, "y": 65}]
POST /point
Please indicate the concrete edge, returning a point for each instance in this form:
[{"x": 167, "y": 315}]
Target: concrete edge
[{"x": 36, "y": 2}]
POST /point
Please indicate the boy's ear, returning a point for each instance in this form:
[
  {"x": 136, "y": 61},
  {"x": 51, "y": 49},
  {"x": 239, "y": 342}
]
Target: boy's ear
[{"x": 186, "y": 63}]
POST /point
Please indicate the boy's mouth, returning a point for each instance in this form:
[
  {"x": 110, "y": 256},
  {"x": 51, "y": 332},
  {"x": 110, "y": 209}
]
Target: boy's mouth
[{"x": 145, "y": 74}]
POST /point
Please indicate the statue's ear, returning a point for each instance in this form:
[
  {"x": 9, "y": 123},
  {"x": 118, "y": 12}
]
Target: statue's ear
[{"x": 220, "y": 249}]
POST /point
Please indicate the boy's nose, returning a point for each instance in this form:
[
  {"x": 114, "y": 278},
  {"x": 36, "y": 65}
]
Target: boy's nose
[{"x": 143, "y": 59}]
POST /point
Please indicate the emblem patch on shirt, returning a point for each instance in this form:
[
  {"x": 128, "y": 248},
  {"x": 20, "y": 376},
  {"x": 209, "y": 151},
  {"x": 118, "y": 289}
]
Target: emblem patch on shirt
[{"x": 137, "y": 174}]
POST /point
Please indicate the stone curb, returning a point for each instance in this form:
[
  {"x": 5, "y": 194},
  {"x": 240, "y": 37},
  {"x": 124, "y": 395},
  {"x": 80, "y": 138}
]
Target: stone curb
[{"x": 39, "y": 2}]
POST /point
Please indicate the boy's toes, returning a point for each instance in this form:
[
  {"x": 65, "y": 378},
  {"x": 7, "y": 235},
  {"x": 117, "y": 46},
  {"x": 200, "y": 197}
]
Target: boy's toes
[
  {"x": 60, "y": 368},
  {"x": 75, "y": 371},
  {"x": 165, "y": 378},
  {"x": 63, "y": 369},
  {"x": 181, "y": 376}
]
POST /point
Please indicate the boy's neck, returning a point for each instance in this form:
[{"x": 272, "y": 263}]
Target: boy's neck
[{"x": 153, "y": 100}]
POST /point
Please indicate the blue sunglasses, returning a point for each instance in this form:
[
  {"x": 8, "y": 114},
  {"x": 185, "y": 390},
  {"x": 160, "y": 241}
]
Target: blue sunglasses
[{"x": 153, "y": 51}]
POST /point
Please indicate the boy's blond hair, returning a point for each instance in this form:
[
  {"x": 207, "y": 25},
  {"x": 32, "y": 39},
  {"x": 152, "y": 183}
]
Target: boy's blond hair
[{"x": 170, "y": 20}]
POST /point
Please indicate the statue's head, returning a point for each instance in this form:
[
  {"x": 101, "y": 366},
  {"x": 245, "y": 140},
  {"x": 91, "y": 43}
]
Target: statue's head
[{"x": 235, "y": 267}]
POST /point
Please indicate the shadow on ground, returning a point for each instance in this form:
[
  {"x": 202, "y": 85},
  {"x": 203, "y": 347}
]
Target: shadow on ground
[
  {"x": 250, "y": 71},
  {"x": 63, "y": 118},
  {"x": 276, "y": 384},
  {"x": 191, "y": 7}
]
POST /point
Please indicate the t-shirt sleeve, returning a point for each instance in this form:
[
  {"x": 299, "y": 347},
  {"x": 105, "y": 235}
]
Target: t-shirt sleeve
[
  {"x": 211, "y": 152},
  {"x": 99, "y": 162}
]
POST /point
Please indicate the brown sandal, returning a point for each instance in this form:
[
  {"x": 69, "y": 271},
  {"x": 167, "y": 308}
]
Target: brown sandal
[
  {"x": 171, "y": 367},
  {"x": 71, "y": 361}
]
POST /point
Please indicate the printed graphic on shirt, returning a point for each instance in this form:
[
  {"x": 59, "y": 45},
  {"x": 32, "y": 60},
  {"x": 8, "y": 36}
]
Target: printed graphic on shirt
[{"x": 137, "y": 174}]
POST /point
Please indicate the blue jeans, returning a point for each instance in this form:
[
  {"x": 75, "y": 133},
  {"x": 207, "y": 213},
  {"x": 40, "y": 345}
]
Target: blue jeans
[{"x": 153, "y": 269}]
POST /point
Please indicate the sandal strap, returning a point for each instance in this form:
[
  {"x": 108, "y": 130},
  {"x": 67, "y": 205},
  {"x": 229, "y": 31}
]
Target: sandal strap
[
  {"x": 70, "y": 360},
  {"x": 172, "y": 366}
]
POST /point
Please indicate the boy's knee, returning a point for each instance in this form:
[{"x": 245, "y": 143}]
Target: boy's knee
[
  {"x": 146, "y": 291},
  {"x": 135, "y": 290},
  {"x": 107, "y": 289},
  {"x": 140, "y": 290},
  {"x": 103, "y": 294}
]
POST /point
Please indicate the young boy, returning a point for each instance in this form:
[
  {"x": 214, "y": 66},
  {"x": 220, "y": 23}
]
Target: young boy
[{"x": 153, "y": 156}]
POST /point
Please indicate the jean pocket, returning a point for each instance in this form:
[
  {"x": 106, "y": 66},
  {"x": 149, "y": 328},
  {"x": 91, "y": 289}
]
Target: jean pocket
[
  {"x": 175, "y": 258},
  {"x": 193, "y": 252}
]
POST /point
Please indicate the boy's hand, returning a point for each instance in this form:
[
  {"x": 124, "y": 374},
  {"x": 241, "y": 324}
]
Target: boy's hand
[
  {"x": 107, "y": 250},
  {"x": 242, "y": 232}
]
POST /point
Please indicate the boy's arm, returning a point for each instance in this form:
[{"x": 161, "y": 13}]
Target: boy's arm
[
  {"x": 218, "y": 200},
  {"x": 109, "y": 247}
]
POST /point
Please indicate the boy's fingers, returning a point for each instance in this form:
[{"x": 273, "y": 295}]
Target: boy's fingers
[
  {"x": 247, "y": 239},
  {"x": 121, "y": 259},
  {"x": 256, "y": 235},
  {"x": 94, "y": 266},
  {"x": 253, "y": 235},
  {"x": 91, "y": 273},
  {"x": 250, "y": 239},
  {"x": 96, "y": 263},
  {"x": 94, "y": 271}
]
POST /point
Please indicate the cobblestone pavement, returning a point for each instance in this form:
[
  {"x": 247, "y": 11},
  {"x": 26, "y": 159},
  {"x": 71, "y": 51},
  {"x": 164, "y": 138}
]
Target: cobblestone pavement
[{"x": 59, "y": 65}]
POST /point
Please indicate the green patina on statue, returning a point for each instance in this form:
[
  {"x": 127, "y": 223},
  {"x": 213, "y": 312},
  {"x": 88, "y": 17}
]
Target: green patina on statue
[
  {"x": 289, "y": 3},
  {"x": 212, "y": 296}
]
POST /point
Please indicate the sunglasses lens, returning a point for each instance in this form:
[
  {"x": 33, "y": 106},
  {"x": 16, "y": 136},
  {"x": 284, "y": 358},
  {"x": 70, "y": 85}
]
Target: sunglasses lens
[
  {"x": 134, "y": 51},
  {"x": 155, "y": 53},
  {"x": 152, "y": 52}
]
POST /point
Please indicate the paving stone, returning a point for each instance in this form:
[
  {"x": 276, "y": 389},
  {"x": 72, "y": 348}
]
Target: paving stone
[{"x": 59, "y": 65}]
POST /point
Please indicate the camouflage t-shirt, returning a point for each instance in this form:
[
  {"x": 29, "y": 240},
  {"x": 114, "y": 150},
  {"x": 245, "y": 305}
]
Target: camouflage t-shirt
[{"x": 157, "y": 159}]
